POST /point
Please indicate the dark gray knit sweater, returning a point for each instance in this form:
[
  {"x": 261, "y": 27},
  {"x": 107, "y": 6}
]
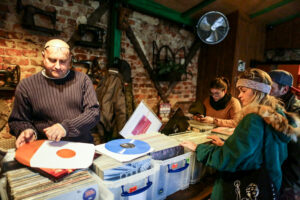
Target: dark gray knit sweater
[{"x": 41, "y": 102}]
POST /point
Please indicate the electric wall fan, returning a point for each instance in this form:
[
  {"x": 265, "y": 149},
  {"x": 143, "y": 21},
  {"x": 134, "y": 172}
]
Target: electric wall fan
[{"x": 212, "y": 27}]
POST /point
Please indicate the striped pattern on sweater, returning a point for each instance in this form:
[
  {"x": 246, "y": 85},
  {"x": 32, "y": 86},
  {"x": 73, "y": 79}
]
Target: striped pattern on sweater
[{"x": 41, "y": 102}]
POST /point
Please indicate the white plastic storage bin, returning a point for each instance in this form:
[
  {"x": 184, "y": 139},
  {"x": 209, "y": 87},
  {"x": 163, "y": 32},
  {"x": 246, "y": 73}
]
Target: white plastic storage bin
[
  {"x": 138, "y": 186},
  {"x": 174, "y": 175},
  {"x": 196, "y": 169},
  {"x": 88, "y": 189}
]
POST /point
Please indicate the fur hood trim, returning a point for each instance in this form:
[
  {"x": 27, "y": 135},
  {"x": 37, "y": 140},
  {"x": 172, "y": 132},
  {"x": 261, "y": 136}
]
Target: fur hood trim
[{"x": 276, "y": 120}]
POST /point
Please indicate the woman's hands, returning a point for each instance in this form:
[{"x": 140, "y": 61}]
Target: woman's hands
[
  {"x": 190, "y": 145},
  {"x": 203, "y": 119},
  {"x": 216, "y": 140}
]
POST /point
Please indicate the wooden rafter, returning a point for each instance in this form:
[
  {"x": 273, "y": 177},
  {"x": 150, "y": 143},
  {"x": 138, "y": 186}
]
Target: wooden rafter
[
  {"x": 197, "y": 7},
  {"x": 270, "y": 8},
  {"x": 158, "y": 10}
]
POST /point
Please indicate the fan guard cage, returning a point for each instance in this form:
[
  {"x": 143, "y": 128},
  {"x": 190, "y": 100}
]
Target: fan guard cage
[{"x": 212, "y": 27}]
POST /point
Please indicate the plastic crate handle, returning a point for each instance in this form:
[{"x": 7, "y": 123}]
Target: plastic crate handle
[
  {"x": 127, "y": 194},
  {"x": 180, "y": 169}
]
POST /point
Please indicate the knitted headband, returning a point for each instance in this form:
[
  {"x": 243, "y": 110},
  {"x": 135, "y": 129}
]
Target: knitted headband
[{"x": 262, "y": 87}]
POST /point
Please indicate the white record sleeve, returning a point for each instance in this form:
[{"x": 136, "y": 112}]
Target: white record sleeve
[{"x": 46, "y": 156}]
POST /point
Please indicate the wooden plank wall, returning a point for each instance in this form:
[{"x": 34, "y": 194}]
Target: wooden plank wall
[
  {"x": 286, "y": 35},
  {"x": 216, "y": 60},
  {"x": 245, "y": 41},
  {"x": 250, "y": 44}
]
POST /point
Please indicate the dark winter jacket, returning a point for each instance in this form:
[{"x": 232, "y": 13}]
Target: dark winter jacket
[
  {"x": 110, "y": 94},
  {"x": 291, "y": 167}
]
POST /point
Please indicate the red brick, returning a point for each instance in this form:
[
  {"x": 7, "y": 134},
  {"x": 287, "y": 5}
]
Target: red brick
[
  {"x": 23, "y": 61},
  {"x": 23, "y": 45},
  {"x": 15, "y": 35},
  {"x": 1, "y": 60},
  {"x": 72, "y": 22},
  {"x": 2, "y": 51},
  {"x": 65, "y": 12},
  {"x": 31, "y": 70},
  {"x": 57, "y": 3},
  {"x": 13, "y": 52},
  {"x": 80, "y": 50},
  {"x": 10, "y": 60},
  {"x": 29, "y": 53},
  {"x": 3, "y": 42},
  {"x": 3, "y": 34},
  {"x": 50, "y": 8},
  {"x": 61, "y": 19},
  {"x": 81, "y": 57},
  {"x": 8, "y": 43},
  {"x": 18, "y": 27},
  {"x": 36, "y": 62},
  {"x": 78, "y": 1}
]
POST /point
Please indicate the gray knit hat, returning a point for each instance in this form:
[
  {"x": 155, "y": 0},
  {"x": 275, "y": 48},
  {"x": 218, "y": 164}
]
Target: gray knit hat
[{"x": 281, "y": 77}]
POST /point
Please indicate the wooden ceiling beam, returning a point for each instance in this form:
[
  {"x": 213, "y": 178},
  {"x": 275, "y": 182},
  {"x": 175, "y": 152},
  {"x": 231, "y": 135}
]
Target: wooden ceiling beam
[
  {"x": 270, "y": 8},
  {"x": 196, "y": 8},
  {"x": 283, "y": 20},
  {"x": 158, "y": 10}
]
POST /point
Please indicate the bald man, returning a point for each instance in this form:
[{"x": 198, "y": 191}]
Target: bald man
[{"x": 56, "y": 103}]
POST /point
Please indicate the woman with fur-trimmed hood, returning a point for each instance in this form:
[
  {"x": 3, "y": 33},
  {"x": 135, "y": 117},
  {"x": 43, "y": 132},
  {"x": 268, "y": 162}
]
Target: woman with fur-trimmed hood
[{"x": 262, "y": 116}]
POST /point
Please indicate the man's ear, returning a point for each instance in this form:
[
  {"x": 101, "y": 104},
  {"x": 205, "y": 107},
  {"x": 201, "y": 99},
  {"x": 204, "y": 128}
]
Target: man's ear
[{"x": 285, "y": 89}]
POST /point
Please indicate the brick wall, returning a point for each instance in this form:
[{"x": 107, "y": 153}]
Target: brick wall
[
  {"x": 19, "y": 46},
  {"x": 147, "y": 29}
]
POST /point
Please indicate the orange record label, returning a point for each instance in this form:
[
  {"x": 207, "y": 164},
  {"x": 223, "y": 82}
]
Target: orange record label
[
  {"x": 174, "y": 166},
  {"x": 132, "y": 189},
  {"x": 66, "y": 153}
]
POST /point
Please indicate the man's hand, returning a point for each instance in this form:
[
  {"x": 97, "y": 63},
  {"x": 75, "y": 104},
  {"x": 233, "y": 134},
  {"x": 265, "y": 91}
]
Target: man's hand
[
  {"x": 190, "y": 145},
  {"x": 55, "y": 132},
  {"x": 26, "y": 136},
  {"x": 216, "y": 140}
]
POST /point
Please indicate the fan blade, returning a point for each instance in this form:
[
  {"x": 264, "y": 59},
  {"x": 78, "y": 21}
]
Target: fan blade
[
  {"x": 204, "y": 25},
  {"x": 216, "y": 35},
  {"x": 218, "y": 23},
  {"x": 211, "y": 38}
]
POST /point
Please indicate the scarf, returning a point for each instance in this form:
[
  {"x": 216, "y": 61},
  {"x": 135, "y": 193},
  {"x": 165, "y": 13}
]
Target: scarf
[{"x": 221, "y": 104}]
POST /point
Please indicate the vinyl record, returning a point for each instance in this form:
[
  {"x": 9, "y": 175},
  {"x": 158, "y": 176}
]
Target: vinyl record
[
  {"x": 56, "y": 155},
  {"x": 127, "y": 146}
]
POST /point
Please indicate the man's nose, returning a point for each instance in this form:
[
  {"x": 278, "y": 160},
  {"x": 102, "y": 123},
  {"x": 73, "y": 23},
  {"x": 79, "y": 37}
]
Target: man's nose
[{"x": 57, "y": 65}]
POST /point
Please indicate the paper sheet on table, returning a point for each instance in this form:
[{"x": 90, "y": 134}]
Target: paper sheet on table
[{"x": 143, "y": 120}]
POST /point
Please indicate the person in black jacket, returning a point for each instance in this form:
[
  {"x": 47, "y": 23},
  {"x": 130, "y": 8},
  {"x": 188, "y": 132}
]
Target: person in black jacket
[{"x": 281, "y": 88}]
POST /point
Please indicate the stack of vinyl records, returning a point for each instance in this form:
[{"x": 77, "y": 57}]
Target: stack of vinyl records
[
  {"x": 198, "y": 138},
  {"x": 109, "y": 169},
  {"x": 26, "y": 184},
  {"x": 197, "y": 126},
  {"x": 164, "y": 146}
]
